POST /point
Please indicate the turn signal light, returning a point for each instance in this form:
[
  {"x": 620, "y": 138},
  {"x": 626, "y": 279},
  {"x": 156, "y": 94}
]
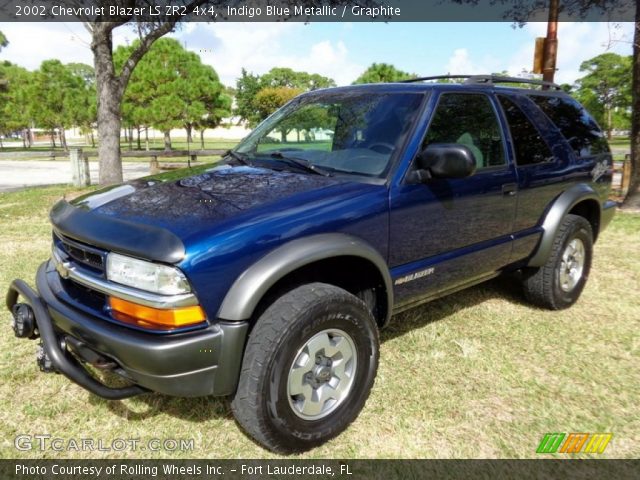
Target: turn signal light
[{"x": 155, "y": 318}]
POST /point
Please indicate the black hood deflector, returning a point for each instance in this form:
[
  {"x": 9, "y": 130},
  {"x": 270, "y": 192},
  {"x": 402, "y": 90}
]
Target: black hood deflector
[{"x": 123, "y": 236}]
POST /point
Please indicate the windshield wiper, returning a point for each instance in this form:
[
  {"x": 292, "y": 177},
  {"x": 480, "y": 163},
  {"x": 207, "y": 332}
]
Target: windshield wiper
[
  {"x": 238, "y": 157},
  {"x": 302, "y": 163}
]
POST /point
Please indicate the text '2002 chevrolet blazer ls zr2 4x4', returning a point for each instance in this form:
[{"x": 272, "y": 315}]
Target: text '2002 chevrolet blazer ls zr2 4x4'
[{"x": 282, "y": 262}]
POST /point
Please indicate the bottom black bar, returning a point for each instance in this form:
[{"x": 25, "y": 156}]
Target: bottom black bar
[{"x": 319, "y": 469}]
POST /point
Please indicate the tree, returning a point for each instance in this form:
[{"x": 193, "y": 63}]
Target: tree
[
  {"x": 605, "y": 87},
  {"x": 171, "y": 88},
  {"x": 280, "y": 83},
  {"x": 111, "y": 84},
  {"x": 286, "y": 77},
  {"x": 217, "y": 108},
  {"x": 383, "y": 73},
  {"x": 15, "y": 101},
  {"x": 205, "y": 101},
  {"x": 269, "y": 99},
  {"x": 81, "y": 104},
  {"x": 3, "y": 43},
  {"x": 54, "y": 92},
  {"x": 136, "y": 97},
  {"x": 247, "y": 87}
]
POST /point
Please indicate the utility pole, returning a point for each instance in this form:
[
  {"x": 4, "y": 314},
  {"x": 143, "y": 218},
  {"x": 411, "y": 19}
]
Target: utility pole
[
  {"x": 551, "y": 43},
  {"x": 546, "y": 51}
]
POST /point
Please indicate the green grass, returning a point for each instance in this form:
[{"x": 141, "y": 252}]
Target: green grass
[
  {"x": 477, "y": 374},
  {"x": 324, "y": 146},
  {"x": 181, "y": 144},
  {"x": 619, "y": 141}
]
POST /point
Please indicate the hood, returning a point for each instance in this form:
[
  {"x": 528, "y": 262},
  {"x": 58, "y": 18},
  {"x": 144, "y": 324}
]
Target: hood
[{"x": 189, "y": 204}]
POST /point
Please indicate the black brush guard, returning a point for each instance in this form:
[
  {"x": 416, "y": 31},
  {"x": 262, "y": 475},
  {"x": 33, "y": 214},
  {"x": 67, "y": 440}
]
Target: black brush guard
[{"x": 63, "y": 362}]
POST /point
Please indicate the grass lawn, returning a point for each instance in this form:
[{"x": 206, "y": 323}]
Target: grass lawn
[
  {"x": 477, "y": 374},
  {"x": 619, "y": 142}
]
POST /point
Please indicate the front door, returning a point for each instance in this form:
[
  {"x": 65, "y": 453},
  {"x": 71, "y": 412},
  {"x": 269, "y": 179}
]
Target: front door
[{"x": 449, "y": 232}]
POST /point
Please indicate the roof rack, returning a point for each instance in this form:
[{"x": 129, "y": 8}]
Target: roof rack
[{"x": 488, "y": 80}]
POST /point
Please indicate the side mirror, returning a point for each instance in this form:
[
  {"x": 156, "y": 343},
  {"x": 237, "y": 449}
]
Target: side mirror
[{"x": 446, "y": 160}]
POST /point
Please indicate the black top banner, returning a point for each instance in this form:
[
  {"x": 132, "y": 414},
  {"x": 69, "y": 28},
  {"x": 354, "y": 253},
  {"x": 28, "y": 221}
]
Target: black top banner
[{"x": 313, "y": 10}]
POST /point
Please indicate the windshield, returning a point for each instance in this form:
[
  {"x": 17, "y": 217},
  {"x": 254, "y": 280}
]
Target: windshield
[{"x": 354, "y": 133}]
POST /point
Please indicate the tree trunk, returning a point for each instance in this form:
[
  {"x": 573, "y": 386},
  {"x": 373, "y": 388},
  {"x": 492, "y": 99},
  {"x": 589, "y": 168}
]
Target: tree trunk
[
  {"x": 609, "y": 122},
  {"x": 138, "y": 137},
  {"x": 189, "y": 128},
  {"x": 167, "y": 140},
  {"x": 109, "y": 91},
  {"x": 635, "y": 106},
  {"x": 202, "y": 139},
  {"x": 63, "y": 139},
  {"x": 93, "y": 139},
  {"x": 52, "y": 134},
  {"x": 146, "y": 139}
]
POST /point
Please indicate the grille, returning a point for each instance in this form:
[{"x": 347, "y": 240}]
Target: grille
[{"x": 83, "y": 254}]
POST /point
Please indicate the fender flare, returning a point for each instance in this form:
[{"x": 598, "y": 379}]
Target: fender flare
[
  {"x": 250, "y": 287},
  {"x": 559, "y": 209}
]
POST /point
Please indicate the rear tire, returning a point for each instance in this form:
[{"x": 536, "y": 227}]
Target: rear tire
[
  {"x": 308, "y": 368},
  {"x": 559, "y": 283}
]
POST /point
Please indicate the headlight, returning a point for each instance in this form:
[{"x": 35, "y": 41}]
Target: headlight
[{"x": 148, "y": 276}]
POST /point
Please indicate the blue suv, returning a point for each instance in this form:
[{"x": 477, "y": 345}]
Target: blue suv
[{"x": 267, "y": 276}]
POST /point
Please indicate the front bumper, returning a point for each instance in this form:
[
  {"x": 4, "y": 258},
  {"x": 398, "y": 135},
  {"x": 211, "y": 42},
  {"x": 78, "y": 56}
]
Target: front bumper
[{"x": 196, "y": 363}]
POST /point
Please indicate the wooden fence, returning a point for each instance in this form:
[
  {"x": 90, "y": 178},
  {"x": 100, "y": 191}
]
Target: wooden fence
[
  {"x": 621, "y": 176},
  {"x": 80, "y": 161}
]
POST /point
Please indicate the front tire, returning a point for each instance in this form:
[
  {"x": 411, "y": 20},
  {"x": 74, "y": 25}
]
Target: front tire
[
  {"x": 559, "y": 283},
  {"x": 308, "y": 368}
]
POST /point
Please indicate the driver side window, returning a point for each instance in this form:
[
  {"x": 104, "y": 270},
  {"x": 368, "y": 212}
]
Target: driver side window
[{"x": 468, "y": 119}]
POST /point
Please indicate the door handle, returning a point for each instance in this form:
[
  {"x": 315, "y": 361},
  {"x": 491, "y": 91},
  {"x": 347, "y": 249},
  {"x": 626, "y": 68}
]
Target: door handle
[{"x": 510, "y": 189}]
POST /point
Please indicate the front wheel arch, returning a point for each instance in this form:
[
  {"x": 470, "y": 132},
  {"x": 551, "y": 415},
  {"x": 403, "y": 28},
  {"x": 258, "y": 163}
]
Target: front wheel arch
[{"x": 307, "y": 259}]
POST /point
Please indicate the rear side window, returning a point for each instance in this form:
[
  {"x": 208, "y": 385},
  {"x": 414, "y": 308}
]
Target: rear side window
[
  {"x": 468, "y": 119},
  {"x": 530, "y": 148},
  {"x": 573, "y": 121}
]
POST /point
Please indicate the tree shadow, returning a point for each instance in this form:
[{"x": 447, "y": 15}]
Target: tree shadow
[
  {"x": 505, "y": 287},
  {"x": 152, "y": 404},
  {"x": 200, "y": 409}
]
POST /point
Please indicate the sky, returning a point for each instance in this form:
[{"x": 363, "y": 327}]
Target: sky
[{"x": 342, "y": 51}]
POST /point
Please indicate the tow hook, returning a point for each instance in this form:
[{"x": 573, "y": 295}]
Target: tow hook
[
  {"x": 44, "y": 361},
  {"x": 24, "y": 321}
]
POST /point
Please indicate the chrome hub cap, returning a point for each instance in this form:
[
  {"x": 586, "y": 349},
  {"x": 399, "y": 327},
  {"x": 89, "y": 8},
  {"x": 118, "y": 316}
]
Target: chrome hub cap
[
  {"x": 322, "y": 374},
  {"x": 572, "y": 265}
]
